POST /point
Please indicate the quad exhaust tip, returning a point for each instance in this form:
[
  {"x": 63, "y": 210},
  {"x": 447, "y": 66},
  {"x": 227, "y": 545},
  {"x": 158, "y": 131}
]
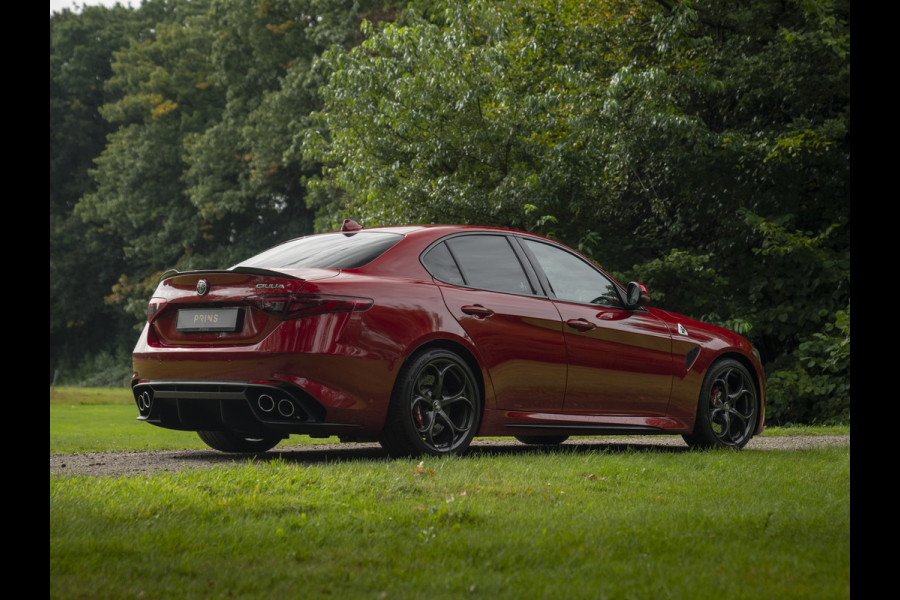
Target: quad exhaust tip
[
  {"x": 268, "y": 404},
  {"x": 143, "y": 402},
  {"x": 285, "y": 407},
  {"x": 265, "y": 403}
]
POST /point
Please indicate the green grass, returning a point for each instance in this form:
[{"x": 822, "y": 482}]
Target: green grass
[
  {"x": 72, "y": 396},
  {"x": 806, "y": 430},
  {"x": 574, "y": 522},
  {"x": 113, "y": 428},
  {"x": 542, "y": 524}
]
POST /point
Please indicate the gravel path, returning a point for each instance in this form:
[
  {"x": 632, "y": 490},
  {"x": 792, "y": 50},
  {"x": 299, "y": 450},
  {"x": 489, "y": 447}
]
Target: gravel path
[{"x": 136, "y": 463}]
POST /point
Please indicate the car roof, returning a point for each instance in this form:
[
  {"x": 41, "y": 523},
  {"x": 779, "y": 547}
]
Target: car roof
[{"x": 436, "y": 230}]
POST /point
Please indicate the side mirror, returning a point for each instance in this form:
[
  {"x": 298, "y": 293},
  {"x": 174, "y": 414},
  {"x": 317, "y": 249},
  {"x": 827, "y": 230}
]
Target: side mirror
[{"x": 637, "y": 295}]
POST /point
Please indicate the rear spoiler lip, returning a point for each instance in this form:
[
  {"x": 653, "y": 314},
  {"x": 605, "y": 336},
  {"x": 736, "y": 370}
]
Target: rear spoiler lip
[{"x": 244, "y": 270}]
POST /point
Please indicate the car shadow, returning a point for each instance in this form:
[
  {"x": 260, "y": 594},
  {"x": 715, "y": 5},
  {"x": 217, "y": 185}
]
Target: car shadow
[
  {"x": 334, "y": 453},
  {"x": 575, "y": 447}
]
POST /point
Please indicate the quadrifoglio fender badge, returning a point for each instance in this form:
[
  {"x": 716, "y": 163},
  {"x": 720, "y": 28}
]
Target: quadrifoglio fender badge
[{"x": 682, "y": 330}]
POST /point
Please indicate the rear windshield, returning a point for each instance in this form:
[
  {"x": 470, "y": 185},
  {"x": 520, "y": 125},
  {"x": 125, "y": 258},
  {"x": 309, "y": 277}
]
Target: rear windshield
[{"x": 325, "y": 251}]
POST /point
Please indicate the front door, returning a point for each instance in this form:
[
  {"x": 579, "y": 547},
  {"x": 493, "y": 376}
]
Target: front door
[{"x": 619, "y": 361}]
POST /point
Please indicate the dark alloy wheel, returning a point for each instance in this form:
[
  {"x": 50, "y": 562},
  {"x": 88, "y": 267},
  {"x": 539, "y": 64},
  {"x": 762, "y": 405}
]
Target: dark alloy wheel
[
  {"x": 227, "y": 441},
  {"x": 728, "y": 410},
  {"x": 435, "y": 408}
]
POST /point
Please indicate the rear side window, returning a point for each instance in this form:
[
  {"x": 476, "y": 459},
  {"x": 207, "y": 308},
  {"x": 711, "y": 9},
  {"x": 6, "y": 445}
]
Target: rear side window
[
  {"x": 439, "y": 262},
  {"x": 325, "y": 251},
  {"x": 486, "y": 262}
]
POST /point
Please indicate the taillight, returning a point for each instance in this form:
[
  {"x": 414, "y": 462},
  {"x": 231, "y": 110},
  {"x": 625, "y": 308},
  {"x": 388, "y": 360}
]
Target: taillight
[
  {"x": 274, "y": 304},
  {"x": 156, "y": 305},
  {"x": 296, "y": 306}
]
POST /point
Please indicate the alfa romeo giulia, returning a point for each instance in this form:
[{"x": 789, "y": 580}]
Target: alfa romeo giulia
[{"x": 424, "y": 337}]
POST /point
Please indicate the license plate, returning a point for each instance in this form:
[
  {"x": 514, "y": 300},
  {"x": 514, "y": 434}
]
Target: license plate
[{"x": 208, "y": 319}]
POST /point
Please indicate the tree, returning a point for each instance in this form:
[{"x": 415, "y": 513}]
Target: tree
[
  {"x": 82, "y": 266},
  {"x": 197, "y": 103},
  {"x": 483, "y": 119},
  {"x": 243, "y": 180},
  {"x": 163, "y": 95}
]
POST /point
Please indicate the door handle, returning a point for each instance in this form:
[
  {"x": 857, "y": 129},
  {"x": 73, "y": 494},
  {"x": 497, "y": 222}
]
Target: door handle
[
  {"x": 580, "y": 324},
  {"x": 477, "y": 310}
]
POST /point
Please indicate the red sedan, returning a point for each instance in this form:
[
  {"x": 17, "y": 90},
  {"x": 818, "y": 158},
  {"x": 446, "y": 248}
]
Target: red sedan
[{"x": 423, "y": 337}]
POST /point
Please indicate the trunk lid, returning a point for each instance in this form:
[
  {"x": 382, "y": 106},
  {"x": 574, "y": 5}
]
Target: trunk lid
[{"x": 223, "y": 308}]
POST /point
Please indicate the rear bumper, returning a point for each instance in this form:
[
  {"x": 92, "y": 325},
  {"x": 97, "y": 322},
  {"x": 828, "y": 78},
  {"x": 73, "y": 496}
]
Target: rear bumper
[{"x": 247, "y": 408}]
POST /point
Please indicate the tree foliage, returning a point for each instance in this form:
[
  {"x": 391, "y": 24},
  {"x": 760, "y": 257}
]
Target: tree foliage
[
  {"x": 195, "y": 176},
  {"x": 484, "y": 119},
  {"x": 85, "y": 261}
]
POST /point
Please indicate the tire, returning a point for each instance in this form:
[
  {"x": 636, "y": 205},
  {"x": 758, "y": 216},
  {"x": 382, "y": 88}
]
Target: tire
[
  {"x": 227, "y": 441},
  {"x": 728, "y": 409},
  {"x": 435, "y": 408},
  {"x": 542, "y": 440}
]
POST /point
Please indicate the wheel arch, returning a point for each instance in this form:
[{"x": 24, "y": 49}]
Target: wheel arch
[
  {"x": 757, "y": 382},
  {"x": 457, "y": 348}
]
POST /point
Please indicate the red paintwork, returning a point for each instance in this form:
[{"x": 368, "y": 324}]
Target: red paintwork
[{"x": 538, "y": 362}]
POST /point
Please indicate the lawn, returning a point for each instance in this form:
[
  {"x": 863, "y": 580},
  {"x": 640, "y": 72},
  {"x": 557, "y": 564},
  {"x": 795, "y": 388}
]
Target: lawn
[{"x": 576, "y": 522}]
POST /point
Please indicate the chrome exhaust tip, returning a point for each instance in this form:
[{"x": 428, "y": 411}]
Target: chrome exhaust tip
[
  {"x": 265, "y": 403},
  {"x": 143, "y": 402},
  {"x": 285, "y": 408}
]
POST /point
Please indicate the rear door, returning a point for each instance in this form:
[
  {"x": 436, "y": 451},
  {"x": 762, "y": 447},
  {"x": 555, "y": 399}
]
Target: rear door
[{"x": 491, "y": 290}]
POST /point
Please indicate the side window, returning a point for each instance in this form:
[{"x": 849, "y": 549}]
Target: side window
[
  {"x": 571, "y": 278},
  {"x": 441, "y": 265},
  {"x": 487, "y": 262}
]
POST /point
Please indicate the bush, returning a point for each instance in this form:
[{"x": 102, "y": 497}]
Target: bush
[
  {"x": 105, "y": 369},
  {"x": 815, "y": 385}
]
